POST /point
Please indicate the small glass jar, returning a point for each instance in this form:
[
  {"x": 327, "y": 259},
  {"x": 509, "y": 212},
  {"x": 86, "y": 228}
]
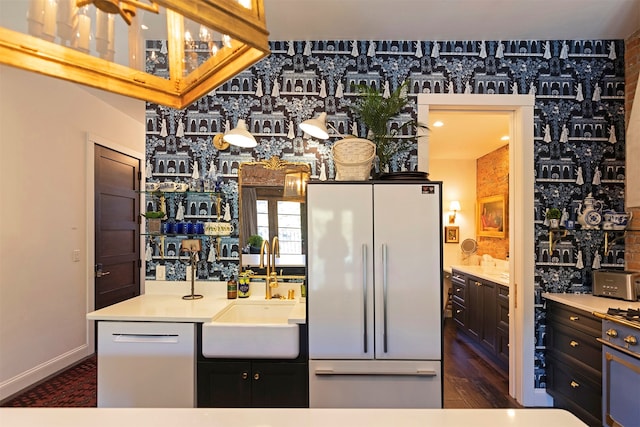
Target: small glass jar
[{"x": 232, "y": 289}]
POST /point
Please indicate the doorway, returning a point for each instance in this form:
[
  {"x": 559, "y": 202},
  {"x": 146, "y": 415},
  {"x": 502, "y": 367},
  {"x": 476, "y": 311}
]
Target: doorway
[
  {"x": 521, "y": 197},
  {"x": 117, "y": 226}
]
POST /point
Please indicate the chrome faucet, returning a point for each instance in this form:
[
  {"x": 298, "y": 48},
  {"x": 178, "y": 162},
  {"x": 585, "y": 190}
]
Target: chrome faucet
[{"x": 271, "y": 275}]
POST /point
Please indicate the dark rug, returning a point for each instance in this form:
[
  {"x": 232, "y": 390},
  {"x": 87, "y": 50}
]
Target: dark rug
[{"x": 73, "y": 387}]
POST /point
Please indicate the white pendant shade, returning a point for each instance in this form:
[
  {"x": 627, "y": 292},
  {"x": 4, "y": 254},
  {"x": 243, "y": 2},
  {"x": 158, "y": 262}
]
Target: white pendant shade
[
  {"x": 240, "y": 136},
  {"x": 317, "y": 127}
]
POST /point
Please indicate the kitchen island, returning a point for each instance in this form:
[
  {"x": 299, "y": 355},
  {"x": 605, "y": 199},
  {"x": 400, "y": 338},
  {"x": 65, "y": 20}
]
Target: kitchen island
[
  {"x": 230, "y": 417},
  {"x": 150, "y": 351}
]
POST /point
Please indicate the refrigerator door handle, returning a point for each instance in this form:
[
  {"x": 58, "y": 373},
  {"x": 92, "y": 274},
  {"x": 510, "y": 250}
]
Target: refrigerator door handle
[
  {"x": 364, "y": 293},
  {"x": 384, "y": 297},
  {"x": 417, "y": 373}
]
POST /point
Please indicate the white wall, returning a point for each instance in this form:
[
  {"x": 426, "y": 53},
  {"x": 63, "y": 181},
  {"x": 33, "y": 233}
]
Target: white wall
[
  {"x": 458, "y": 183},
  {"x": 44, "y": 295}
]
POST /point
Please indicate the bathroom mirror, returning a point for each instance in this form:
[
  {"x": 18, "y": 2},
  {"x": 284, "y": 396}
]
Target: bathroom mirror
[{"x": 271, "y": 203}]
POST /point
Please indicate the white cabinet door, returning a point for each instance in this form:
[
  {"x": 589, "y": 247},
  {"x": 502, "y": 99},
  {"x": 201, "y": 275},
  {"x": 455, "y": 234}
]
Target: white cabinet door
[
  {"x": 340, "y": 285},
  {"x": 408, "y": 271}
]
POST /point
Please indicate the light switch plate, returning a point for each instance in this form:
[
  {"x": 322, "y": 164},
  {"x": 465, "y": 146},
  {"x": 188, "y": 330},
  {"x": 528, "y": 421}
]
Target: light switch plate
[{"x": 161, "y": 273}]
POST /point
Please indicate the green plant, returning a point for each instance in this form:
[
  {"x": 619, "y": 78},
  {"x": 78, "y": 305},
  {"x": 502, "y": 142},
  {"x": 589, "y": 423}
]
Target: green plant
[
  {"x": 255, "y": 240},
  {"x": 153, "y": 214},
  {"x": 376, "y": 111},
  {"x": 554, "y": 213}
]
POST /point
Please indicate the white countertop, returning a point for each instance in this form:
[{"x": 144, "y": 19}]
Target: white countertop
[
  {"x": 487, "y": 273},
  {"x": 242, "y": 417},
  {"x": 162, "y": 302},
  {"x": 588, "y": 302}
]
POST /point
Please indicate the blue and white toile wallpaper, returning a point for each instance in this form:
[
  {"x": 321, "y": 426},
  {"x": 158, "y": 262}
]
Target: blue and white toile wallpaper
[{"x": 579, "y": 133}]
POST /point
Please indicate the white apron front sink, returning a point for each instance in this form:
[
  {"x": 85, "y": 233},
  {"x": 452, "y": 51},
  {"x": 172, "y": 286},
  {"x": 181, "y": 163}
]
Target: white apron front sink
[{"x": 252, "y": 330}]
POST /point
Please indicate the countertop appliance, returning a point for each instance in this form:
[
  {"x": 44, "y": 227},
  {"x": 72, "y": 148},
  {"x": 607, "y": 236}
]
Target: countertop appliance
[
  {"x": 146, "y": 365},
  {"x": 620, "y": 367},
  {"x": 375, "y": 294},
  {"x": 617, "y": 284}
]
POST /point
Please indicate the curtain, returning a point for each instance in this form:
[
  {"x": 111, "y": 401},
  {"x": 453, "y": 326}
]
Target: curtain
[{"x": 249, "y": 220}]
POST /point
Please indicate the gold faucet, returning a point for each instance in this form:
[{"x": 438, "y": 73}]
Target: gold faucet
[{"x": 271, "y": 275}]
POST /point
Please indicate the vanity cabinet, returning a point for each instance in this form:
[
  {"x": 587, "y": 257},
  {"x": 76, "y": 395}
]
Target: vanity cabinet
[
  {"x": 574, "y": 361},
  {"x": 481, "y": 312}
]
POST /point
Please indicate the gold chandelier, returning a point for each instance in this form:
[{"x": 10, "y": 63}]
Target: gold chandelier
[{"x": 170, "y": 52}]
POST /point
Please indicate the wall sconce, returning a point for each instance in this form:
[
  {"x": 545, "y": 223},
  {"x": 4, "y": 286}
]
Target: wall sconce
[
  {"x": 240, "y": 136},
  {"x": 295, "y": 185},
  {"x": 317, "y": 127},
  {"x": 454, "y": 207}
]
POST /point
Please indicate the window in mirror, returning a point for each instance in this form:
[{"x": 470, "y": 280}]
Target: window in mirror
[
  {"x": 287, "y": 222},
  {"x": 290, "y": 228}
]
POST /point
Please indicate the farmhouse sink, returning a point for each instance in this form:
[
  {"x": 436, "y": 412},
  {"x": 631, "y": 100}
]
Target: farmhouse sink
[{"x": 252, "y": 330}]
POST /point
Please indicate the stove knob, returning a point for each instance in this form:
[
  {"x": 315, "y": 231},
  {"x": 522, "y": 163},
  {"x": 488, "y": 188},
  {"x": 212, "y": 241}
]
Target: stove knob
[
  {"x": 612, "y": 333},
  {"x": 631, "y": 340}
]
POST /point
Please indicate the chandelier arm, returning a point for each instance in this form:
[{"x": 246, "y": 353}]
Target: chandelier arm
[{"x": 153, "y": 7}]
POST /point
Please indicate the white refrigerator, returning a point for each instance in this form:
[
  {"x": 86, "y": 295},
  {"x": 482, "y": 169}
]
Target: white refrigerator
[{"x": 375, "y": 294}]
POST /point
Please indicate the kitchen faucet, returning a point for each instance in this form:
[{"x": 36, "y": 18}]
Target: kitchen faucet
[{"x": 271, "y": 275}]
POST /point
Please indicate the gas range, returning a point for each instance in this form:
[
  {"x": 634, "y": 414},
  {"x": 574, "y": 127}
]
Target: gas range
[
  {"x": 620, "y": 367},
  {"x": 621, "y": 330}
]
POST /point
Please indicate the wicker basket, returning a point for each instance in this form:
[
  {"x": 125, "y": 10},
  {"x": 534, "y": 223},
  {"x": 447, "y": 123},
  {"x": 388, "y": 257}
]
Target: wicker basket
[{"x": 353, "y": 158}]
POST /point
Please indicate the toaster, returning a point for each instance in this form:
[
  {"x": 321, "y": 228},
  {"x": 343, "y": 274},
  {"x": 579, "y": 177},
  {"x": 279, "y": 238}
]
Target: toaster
[{"x": 617, "y": 284}]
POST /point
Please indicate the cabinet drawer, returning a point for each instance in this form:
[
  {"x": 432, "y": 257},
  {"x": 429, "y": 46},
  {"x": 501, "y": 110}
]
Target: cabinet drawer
[
  {"x": 459, "y": 292},
  {"x": 576, "y": 345},
  {"x": 574, "y": 318},
  {"x": 503, "y": 293},
  {"x": 459, "y": 313},
  {"x": 566, "y": 382}
]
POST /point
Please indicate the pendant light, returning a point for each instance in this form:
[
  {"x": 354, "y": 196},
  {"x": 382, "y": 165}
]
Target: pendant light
[{"x": 240, "y": 136}]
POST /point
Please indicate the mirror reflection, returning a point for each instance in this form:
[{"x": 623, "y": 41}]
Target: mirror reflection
[{"x": 272, "y": 195}]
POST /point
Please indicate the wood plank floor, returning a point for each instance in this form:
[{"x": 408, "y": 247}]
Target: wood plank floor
[{"x": 469, "y": 380}]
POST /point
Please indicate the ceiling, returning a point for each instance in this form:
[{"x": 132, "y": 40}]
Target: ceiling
[
  {"x": 451, "y": 19},
  {"x": 465, "y": 135}
]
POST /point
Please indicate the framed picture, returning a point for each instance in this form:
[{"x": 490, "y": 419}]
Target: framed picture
[
  {"x": 451, "y": 234},
  {"x": 491, "y": 217}
]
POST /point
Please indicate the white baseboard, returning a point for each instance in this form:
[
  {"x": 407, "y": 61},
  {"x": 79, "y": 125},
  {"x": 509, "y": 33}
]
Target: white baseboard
[{"x": 38, "y": 373}]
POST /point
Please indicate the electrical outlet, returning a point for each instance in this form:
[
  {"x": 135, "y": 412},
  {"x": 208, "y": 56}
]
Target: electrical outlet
[{"x": 75, "y": 255}]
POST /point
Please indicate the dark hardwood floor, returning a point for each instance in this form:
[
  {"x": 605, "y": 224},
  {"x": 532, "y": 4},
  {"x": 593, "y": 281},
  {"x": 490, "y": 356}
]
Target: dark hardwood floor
[{"x": 469, "y": 380}]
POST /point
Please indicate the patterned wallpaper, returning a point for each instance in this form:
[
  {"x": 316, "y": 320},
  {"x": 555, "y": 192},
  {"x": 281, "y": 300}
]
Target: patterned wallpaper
[{"x": 579, "y": 133}]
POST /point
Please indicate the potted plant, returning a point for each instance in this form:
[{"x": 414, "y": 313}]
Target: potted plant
[
  {"x": 553, "y": 215},
  {"x": 154, "y": 219},
  {"x": 375, "y": 110},
  {"x": 255, "y": 241}
]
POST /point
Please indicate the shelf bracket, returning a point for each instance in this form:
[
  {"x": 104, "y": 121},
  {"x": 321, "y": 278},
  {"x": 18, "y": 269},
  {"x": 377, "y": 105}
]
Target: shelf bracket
[
  {"x": 608, "y": 244},
  {"x": 560, "y": 234}
]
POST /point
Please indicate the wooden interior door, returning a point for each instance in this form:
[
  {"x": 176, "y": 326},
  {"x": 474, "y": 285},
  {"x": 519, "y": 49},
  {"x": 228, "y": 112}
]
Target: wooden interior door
[{"x": 117, "y": 227}]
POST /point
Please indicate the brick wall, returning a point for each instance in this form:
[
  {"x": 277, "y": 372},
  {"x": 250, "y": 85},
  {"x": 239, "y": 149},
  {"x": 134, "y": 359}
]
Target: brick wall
[
  {"x": 632, "y": 70},
  {"x": 493, "y": 180}
]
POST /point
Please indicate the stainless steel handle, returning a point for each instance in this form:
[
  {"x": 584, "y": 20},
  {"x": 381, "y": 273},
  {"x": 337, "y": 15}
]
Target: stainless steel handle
[
  {"x": 146, "y": 338},
  {"x": 364, "y": 298},
  {"x": 416, "y": 373},
  {"x": 384, "y": 298}
]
